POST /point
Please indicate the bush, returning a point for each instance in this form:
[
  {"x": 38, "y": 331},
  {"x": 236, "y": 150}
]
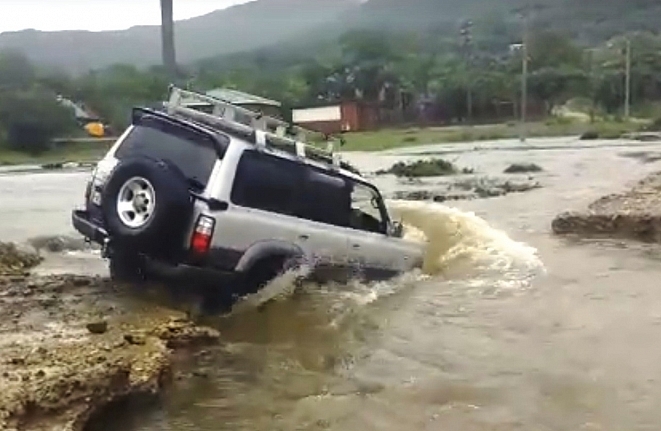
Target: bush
[
  {"x": 612, "y": 134},
  {"x": 31, "y": 119},
  {"x": 655, "y": 126},
  {"x": 559, "y": 121}
]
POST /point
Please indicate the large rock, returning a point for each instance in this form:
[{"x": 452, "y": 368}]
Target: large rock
[
  {"x": 61, "y": 364},
  {"x": 635, "y": 214}
]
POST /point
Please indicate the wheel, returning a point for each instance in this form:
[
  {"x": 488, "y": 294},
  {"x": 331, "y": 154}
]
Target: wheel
[
  {"x": 126, "y": 267},
  {"x": 260, "y": 275},
  {"x": 265, "y": 271},
  {"x": 147, "y": 206}
]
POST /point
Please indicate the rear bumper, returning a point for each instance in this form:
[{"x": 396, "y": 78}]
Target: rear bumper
[
  {"x": 82, "y": 223},
  {"x": 185, "y": 274},
  {"x": 181, "y": 272}
]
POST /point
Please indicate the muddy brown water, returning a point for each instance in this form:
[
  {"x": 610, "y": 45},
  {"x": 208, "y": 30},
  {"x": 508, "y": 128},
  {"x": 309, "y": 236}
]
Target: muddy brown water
[{"x": 515, "y": 329}]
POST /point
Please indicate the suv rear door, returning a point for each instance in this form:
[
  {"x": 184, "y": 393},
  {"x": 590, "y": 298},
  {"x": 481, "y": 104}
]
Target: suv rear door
[{"x": 194, "y": 152}]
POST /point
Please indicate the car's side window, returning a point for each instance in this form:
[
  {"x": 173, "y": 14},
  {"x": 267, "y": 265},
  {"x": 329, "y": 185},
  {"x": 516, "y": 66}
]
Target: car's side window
[
  {"x": 267, "y": 183},
  {"x": 285, "y": 187},
  {"x": 366, "y": 209},
  {"x": 326, "y": 198}
]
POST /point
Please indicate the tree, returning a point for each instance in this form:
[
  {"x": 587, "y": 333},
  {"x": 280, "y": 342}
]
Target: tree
[
  {"x": 367, "y": 64},
  {"x": 554, "y": 85},
  {"x": 548, "y": 50},
  {"x": 16, "y": 71}
]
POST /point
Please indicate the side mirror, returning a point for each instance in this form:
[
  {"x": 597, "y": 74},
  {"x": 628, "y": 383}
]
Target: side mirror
[{"x": 396, "y": 229}]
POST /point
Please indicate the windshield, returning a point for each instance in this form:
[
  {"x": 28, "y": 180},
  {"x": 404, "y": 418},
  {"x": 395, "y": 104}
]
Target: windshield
[{"x": 193, "y": 153}]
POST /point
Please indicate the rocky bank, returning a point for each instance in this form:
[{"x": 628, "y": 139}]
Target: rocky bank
[
  {"x": 635, "y": 214},
  {"x": 71, "y": 345}
]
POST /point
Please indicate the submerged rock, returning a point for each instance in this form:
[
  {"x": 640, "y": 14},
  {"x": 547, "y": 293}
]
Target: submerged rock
[
  {"x": 635, "y": 214},
  {"x": 424, "y": 168},
  {"x": 100, "y": 327},
  {"x": 643, "y": 136},
  {"x": 643, "y": 156},
  {"x": 57, "y": 243},
  {"x": 590, "y": 136},
  {"x": 471, "y": 188},
  {"x": 519, "y": 168}
]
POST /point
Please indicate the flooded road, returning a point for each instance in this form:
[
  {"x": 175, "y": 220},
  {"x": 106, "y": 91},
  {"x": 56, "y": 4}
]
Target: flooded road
[{"x": 514, "y": 329}]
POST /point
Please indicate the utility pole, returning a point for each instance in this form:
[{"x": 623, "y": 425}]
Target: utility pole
[
  {"x": 627, "y": 79},
  {"x": 167, "y": 40},
  {"x": 591, "y": 83},
  {"x": 466, "y": 33},
  {"x": 524, "y": 74}
]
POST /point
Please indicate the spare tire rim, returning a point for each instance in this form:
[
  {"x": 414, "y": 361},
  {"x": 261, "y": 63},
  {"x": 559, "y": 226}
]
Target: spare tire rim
[{"x": 136, "y": 202}]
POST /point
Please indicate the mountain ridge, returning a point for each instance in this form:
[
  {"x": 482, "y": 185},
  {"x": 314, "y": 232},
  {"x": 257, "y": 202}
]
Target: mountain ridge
[
  {"x": 264, "y": 24},
  {"x": 242, "y": 27}
]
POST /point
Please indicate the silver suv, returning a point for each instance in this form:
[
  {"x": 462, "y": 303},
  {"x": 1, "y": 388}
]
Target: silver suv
[{"x": 188, "y": 190}]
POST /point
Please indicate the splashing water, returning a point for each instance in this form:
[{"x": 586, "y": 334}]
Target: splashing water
[
  {"x": 460, "y": 241},
  {"x": 282, "y": 287},
  {"x": 456, "y": 242}
]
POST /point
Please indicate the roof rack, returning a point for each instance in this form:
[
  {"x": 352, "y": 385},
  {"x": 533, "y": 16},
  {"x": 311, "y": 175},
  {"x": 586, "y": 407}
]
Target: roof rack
[{"x": 262, "y": 130}]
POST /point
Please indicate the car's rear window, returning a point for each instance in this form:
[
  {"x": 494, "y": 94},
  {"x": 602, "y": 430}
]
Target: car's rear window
[{"x": 194, "y": 153}]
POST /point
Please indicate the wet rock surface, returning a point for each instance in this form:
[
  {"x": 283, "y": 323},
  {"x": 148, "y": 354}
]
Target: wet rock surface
[
  {"x": 467, "y": 188},
  {"x": 15, "y": 261},
  {"x": 643, "y": 156},
  {"x": 71, "y": 345},
  {"x": 58, "y": 244},
  {"x": 651, "y": 136},
  {"x": 635, "y": 214}
]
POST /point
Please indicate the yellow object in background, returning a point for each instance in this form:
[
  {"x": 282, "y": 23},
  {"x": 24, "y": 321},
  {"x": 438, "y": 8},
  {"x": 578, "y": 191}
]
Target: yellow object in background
[{"x": 95, "y": 129}]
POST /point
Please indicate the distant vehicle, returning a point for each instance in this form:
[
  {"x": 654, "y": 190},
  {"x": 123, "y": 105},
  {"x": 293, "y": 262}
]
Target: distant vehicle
[{"x": 200, "y": 192}]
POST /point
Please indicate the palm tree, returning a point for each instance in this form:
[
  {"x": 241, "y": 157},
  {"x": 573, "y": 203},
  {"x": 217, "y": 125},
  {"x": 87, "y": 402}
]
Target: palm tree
[{"x": 167, "y": 35}]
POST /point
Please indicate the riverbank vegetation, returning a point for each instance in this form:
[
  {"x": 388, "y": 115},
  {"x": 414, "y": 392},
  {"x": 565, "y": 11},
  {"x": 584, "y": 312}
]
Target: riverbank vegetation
[{"x": 426, "y": 91}]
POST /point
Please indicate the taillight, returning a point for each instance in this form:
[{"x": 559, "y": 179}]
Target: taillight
[{"x": 201, "y": 240}]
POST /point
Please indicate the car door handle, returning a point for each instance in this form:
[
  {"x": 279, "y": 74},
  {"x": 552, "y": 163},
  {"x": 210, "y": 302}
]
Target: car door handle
[
  {"x": 303, "y": 237},
  {"x": 356, "y": 246}
]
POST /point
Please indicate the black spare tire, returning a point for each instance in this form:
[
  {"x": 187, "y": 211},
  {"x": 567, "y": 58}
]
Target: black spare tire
[{"x": 147, "y": 206}]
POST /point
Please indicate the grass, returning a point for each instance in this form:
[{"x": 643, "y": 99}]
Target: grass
[
  {"x": 90, "y": 150},
  {"x": 71, "y": 152},
  {"x": 387, "y": 139}
]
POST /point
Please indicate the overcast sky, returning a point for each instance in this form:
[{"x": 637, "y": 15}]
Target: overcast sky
[{"x": 96, "y": 14}]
